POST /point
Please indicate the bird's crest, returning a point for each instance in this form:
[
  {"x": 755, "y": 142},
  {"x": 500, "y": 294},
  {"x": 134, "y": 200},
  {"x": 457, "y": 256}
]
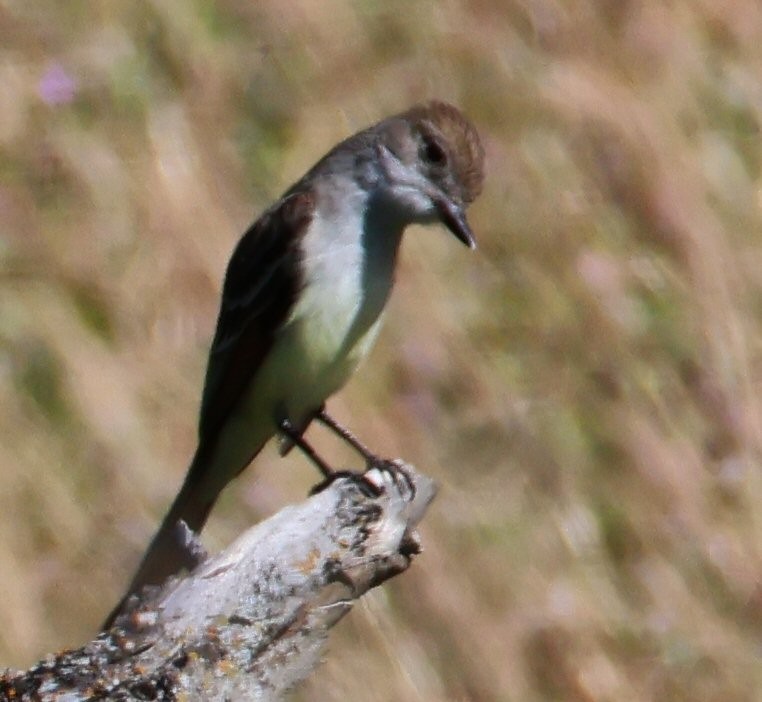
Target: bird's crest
[{"x": 463, "y": 143}]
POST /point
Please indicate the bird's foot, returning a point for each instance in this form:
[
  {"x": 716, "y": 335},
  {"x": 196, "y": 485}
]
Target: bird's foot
[
  {"x": 367, "y": 487},
  {"x": 370, "y": 485},
  {"x": 396, "y": 470},
  {"x": 371, "y": 481}
]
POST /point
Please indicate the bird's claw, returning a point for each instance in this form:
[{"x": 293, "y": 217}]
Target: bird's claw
[
  {"x": 373, "y": 486},
  {"x": 396, "y": 470},
  {"x": 367, "y": 487}
]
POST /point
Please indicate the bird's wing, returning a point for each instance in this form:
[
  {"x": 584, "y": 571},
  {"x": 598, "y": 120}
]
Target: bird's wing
[{"x": 261, "y": 286}]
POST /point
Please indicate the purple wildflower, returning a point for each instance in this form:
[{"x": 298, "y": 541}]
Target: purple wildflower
[{"x": 56, "y": 86}]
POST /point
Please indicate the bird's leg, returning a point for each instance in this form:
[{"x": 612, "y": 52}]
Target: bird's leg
[
  {"x": 295, "y": 436},
  {"x": 342, "y": 432},
  {"x": 371, "y": 459},
  {"x": 329, "y": 474},
  {"x": 369, "y": 488}
]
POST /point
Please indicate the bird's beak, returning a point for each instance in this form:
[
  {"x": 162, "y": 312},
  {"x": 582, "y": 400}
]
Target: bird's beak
[{"x": 453, "y": 216}]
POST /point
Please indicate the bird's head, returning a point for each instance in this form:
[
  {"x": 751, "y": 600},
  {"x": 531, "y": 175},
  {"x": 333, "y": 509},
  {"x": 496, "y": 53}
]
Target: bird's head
[{"x": 433, "y": 162}]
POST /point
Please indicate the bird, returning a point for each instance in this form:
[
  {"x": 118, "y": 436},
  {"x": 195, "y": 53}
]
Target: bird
[{"x": 303, "y": 297}]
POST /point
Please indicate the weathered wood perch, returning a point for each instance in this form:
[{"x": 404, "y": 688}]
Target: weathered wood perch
[{"x": 251, "y": 622}]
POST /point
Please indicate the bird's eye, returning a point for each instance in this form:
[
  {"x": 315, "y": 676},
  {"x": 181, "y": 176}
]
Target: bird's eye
[{"x": 434, "y": 153}]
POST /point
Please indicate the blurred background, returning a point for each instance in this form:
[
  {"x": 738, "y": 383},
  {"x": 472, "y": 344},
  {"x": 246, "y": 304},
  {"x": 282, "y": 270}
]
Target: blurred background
[{"x": 585, "y": 387}]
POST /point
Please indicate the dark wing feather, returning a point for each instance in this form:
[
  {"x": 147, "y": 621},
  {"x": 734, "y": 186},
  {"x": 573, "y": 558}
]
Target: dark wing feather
[{"x": 261, "y": 286}]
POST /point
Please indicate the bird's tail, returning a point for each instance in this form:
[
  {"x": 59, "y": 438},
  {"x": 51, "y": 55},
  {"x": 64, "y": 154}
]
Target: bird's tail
[{"x": 168, "y": 553}]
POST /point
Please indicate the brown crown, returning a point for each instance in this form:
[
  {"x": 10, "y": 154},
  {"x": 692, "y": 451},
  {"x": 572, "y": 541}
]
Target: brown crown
[{"x": 466, "y": 151}]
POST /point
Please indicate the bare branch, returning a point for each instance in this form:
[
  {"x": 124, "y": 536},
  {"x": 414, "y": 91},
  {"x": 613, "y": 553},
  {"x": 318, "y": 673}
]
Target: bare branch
[{"x": 250, "y": 623}]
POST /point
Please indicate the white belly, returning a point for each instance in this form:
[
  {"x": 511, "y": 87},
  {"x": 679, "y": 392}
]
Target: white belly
[
  {"x": 313, "y": 358},
  {"x": 330, "y": 330}
]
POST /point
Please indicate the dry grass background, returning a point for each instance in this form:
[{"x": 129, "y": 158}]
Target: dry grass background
[{"x": 585, "y": 388}]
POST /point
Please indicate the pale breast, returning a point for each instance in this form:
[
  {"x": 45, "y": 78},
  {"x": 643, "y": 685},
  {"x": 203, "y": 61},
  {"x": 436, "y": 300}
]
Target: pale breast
[
  {"x": 349, "y": 275},
  {"x": 348, "y": 255}
]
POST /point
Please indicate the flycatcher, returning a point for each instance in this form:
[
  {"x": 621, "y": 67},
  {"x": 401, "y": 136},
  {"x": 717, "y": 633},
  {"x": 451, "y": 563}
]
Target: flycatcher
[{"x": 303, "y": 297}]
